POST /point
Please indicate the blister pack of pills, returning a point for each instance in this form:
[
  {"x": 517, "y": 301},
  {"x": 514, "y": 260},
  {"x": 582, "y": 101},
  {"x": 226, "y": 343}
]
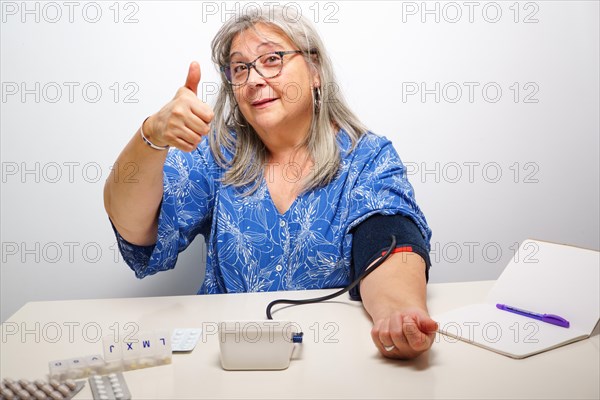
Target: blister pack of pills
[
  {"x": 109, "y": 387},
  {"x": 185, "y": 339},
  {"x": 23, "y": 389}
]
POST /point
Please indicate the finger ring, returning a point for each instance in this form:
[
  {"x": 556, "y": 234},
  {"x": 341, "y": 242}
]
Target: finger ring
[{"x": 389, "y": 348}]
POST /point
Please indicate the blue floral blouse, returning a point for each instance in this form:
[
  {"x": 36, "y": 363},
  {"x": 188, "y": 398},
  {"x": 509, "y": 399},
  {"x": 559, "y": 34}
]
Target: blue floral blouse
[{"x": 251, "y": 246}]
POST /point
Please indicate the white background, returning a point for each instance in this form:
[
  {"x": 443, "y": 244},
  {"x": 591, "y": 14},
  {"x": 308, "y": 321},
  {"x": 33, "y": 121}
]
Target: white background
[{"x": 490, "y": 169}]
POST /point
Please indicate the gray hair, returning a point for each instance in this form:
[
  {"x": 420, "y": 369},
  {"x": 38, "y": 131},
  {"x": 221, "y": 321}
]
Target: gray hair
[{"x": 232, "y": 132}]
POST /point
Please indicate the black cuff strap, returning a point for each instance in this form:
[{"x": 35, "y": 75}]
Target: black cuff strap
[{"x": 371, "y": 238}]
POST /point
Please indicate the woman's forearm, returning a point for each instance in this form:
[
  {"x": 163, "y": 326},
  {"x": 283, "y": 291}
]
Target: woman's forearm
[
  {"x": 395, "y": 297},
  {"x": 399, "y": 283},
  {"x": 134, "y": 189}
]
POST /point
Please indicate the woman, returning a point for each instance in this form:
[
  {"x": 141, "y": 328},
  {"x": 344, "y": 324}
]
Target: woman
[{"x": 288, "y": 188}]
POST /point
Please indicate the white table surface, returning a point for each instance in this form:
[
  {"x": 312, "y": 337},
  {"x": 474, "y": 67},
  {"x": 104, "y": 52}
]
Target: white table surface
[{"x": 336, "y": 360}]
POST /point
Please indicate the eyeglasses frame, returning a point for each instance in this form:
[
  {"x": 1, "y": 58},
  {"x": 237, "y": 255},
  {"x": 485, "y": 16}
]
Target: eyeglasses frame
[{"x": 252, "y": 64}]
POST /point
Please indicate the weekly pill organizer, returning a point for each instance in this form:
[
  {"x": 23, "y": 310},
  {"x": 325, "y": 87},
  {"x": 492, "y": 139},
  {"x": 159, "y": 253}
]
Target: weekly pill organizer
[
  {"x": 104, "y": 373},
  {"x": 244, "y": 345}
]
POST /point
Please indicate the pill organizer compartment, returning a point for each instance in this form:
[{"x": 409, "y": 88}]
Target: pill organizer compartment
[{"x": 122, "y": 353}]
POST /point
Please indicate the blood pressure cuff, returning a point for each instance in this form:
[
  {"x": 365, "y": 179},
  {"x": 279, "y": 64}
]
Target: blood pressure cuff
[{"x": 372, "y": 238}]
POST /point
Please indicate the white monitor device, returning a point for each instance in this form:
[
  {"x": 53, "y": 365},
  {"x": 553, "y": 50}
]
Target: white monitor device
[{"x": 257, "y": 345}]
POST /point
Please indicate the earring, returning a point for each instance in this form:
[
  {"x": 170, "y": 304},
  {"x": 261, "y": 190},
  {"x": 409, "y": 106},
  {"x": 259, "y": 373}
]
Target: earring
[
  {"x": 317, "y": 99},
  {"x": 234, "y": 117}
]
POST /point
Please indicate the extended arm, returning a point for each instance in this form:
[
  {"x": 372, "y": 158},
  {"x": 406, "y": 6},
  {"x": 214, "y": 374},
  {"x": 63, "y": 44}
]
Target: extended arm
[{"x": 394, "y": 295}]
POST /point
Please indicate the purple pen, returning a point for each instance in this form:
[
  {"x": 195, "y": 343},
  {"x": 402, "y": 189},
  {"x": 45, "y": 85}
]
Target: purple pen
[{"x": 548, "y": 318}]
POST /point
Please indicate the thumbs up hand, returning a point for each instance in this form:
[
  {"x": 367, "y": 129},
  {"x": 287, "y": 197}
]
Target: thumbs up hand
[{"x": 184, "y": 120}]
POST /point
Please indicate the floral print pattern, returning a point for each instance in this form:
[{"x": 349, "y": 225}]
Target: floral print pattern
[{"x": 252, "y": 247}]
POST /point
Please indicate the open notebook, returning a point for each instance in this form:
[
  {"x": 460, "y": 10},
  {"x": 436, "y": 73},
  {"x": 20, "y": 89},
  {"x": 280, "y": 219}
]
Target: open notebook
[{"x": 542, "y": 277}]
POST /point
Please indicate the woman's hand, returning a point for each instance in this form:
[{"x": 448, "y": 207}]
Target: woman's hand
[
  {"x": 184, "y": 120},
  {"x": 404, "y": 334}
]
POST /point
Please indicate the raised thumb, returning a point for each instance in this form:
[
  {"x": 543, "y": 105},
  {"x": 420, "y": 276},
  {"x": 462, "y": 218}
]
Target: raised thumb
[{"x": 193, "y": 77}]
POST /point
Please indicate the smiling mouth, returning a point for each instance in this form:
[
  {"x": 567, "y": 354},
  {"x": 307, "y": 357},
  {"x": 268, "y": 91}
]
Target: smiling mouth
[{"x": 263, "y": 102}]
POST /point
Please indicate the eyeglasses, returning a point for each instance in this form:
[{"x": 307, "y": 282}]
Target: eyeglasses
[{"x": 268, "y": 66}]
